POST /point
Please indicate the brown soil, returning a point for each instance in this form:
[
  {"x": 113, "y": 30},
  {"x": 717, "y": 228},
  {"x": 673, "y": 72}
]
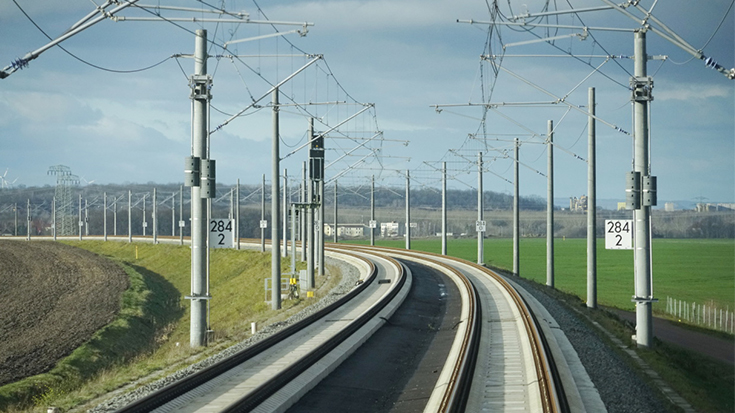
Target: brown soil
[{"x": 53, "y": 297}]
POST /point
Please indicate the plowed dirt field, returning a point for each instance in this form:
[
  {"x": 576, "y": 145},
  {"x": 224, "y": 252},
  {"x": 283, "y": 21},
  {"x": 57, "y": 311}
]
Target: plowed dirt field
[{"x": 53, "y": 297}]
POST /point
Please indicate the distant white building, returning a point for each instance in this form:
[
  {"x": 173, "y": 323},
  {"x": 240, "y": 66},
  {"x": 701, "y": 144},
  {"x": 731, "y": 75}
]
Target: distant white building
[
  {"x": 390, "y": 229},
  {"x": 669, "y": 207},
  {"x": 345, "y": 230},
  {"x": 711, "y": 207}
]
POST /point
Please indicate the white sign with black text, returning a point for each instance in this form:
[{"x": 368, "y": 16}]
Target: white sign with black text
[
  {"x": 221, "y": 233},
  {"x": 619, "y": 234}
]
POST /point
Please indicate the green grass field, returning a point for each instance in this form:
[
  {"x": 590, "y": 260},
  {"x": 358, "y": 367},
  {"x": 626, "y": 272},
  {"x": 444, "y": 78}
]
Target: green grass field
[{"x": 695, "y": 270}]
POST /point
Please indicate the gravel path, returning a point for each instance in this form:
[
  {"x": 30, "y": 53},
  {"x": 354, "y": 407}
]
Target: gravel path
[{"x": 350, "y": 276}]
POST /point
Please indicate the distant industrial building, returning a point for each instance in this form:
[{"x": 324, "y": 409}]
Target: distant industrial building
[
  {"x": 578, "y": 204},
  {"x": 390, "y": 229},
  {"x": 345, "y": 230},
  {"x": 711, "y": 207}
]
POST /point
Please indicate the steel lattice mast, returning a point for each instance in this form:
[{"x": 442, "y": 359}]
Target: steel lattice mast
[{"x": 63, "y": 208}]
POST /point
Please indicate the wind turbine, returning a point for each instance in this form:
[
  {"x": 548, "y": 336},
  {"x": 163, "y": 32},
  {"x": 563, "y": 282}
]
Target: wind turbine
[{"x": 4, "y": 182}]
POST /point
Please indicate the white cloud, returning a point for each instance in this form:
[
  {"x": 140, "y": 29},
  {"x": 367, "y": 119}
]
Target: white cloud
[
  {"x": 693, "y": 91},
  {"x": 46, "y": 108},
  {"x": 376, "y": 15}
]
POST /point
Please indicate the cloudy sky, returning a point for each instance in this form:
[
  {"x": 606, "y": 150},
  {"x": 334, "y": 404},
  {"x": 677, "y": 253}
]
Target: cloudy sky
[{"x": 401, "y": 56}]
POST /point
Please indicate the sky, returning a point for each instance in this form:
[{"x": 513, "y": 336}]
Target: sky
[{"x": 392, "y": 60}]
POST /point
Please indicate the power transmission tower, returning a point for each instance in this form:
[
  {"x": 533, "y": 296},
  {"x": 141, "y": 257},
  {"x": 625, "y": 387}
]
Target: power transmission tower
[{"x": 64, "y": 181}]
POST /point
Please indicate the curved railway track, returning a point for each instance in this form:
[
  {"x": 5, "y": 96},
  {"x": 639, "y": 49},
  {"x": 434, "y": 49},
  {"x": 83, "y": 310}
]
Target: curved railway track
[
  {"x": 503, "y": 394},
  {"x": 499, "y": 359}
]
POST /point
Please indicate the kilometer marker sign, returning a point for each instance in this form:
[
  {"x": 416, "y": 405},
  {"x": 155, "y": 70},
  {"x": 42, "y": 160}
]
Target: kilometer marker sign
[
  {"x": 619, "y": 234},
  {"x": 221, "y": 233}
]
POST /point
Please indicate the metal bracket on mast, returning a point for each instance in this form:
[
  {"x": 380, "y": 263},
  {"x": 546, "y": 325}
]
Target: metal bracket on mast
[
  {"x": 642, "y": 88},
  {"x": 200, "y": 85}
]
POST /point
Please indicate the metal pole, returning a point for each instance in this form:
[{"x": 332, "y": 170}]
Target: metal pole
[
  {"x": 444, "y": 208},
  {"x": 231, "y": 213},
  {"x": 408, "y": 210},
  {"x": 155, "y": 217},
  {"x": 275, "y": 211},
  {"x": 516, "y": 211},
  {"x": 285, "y": 203},
  {"x": 28, "y": 220},
  {"x": 199, "y": 287},
  {"x": 81, "y": 223},
  {"x": 181, "y": 216},
  {"x": 335, "y": 212},
  {"x": 16, "y": 218},
  {"x": 642, "y": 216},
  {"x": 550, "y": 205},
  {"x": 114, "y": 218},
  {"x": 320, "y": 229},
  {"x": 173, "y": 215},
  {"x": 372, "y": 209},
  {"x": 104, "y": 215},
  {"x": 310, "y": 235},
  {"x": 591, "y": 204},
  {"x": 145, "y": 223},
  {"x": 310, "y": 219},
  {"x": 53, "y": 208},
  {"x": 237, "y": 213},
  {"x": 86, "y": 217},
  {"x": 293, "y": 240},
  {"x": 302, "y": 217},
  {"x": 262, "y": 215},
  {"x": 130, "y": 216},
  {"x": 480, "y": 217}
]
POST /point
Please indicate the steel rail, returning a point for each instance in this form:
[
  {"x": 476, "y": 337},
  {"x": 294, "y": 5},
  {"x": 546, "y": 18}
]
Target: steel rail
[
  {"x": 550, "y": 386},
  {"x": 549, "y": 382},
  {"x": 454, "y": 396},
  {"x": 267, "y": 389}
]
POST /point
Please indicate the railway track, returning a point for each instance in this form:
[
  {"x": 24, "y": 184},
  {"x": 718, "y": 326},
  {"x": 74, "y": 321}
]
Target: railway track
[
  {"x": 499, "y": 359},
  {"x": 513, "y": 369},
  {"x": 261, "y": 377}
]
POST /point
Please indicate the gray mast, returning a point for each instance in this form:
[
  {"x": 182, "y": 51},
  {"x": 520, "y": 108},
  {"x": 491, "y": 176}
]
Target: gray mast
[
  {"x": 372, "y": 210},
  {"x": 516, "y": 212},
  {"x": 642, "y": 85},
  {"x": 408, "y": 210},
  {"x": 200, "y": 98},
  {"x": 262, "y": 215},
  {"x": 550, "y": 205},
  {"x": 275, "y": 212},
  {"x": 591, "y": 204},
  {"x": 444, "y": 208},
  {"x": 480, "y": 217},
  {"x": 335, "y": 236}
]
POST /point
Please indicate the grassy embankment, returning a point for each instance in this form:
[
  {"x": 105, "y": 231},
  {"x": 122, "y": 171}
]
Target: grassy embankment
[{"x": 150, "y": 337}]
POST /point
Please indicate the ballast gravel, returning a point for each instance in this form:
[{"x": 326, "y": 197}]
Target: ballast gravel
[
  {"x": 621, "y": 387},
  {"x": 350, "y": 276}
]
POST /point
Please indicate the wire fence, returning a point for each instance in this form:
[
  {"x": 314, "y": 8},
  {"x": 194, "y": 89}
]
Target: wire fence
[{"x": 706, "y": 315}]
